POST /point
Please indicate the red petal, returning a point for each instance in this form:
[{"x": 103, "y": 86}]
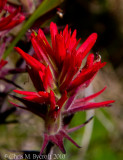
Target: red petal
[
  {"x": 48, "y": 80},
  {"x": 60, "y": 49},
  {"x": 52, "y": 101},
  {"x": 40, "y": 97},
  {"x": 66, "y": 63},
  {"x": 41, "y": 49},
  {"x": 89, "y": 106},
  {"x": 26, "y": 93},
  {"x": 85, "y": 75},
  {"x": 62, "y": 100},
  {"x": 45, "y": 43},
  {"x": 37, "y": 99},
  {"x": 30, "y": 60},
  {"x": 65, "y": 33},
  {"x": 43, "y": 94},
  {"x": 75, "y": 60},
  {"x": 34, "y": 75},
  {"x": 72, "y": 42},
  {"x": 90, "y": 60},
  {"x": 53, "y": 31},
  {"x": 41, "y": 56},
  {"x": 87, "y": 45},
  {"x": 78, "y": 102}
]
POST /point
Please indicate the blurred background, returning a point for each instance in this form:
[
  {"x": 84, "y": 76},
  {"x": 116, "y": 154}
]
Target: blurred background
[{"x": 102, "y": 138}]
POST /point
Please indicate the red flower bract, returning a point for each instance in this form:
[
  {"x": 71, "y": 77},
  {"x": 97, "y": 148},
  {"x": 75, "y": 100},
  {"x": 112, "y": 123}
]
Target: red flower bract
[{"x": 57, "y": 75}]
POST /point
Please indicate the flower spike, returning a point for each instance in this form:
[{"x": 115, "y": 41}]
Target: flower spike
[{"x": 57, "y": 75}]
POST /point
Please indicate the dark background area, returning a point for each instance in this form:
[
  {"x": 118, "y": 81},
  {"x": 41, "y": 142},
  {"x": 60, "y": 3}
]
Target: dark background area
[{"x": 101, "y": 16}]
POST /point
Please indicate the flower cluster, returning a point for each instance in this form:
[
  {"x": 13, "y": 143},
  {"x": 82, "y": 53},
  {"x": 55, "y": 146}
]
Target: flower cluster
[{"x": 58, "y": 76}]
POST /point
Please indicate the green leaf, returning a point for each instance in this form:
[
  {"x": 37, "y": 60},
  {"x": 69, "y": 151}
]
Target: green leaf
[{"x": 44, "y": 7}]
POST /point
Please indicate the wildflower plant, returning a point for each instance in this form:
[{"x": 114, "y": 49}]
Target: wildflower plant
[{"x": 58, "y": 77}]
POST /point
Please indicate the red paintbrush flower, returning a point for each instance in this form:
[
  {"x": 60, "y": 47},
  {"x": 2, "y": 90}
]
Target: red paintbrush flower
[
  {"x": 63, "y": 58},
  {"x": 57, "y": 70}
]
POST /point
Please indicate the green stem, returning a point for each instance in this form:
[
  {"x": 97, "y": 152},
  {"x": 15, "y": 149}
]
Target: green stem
[{"x": 44, "y": 7}]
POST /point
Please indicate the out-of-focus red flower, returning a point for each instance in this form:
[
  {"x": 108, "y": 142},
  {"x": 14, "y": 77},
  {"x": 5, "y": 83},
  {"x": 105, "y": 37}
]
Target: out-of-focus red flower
[
  {"x": 57, "y": 75},
  {"x": 15, "y": 18}
]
